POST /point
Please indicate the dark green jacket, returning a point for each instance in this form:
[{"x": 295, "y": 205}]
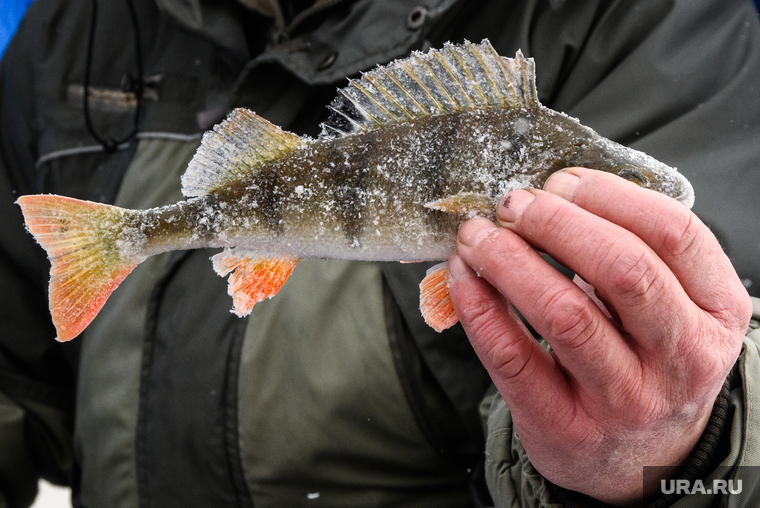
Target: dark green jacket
[{"x": 334, "y": 393}]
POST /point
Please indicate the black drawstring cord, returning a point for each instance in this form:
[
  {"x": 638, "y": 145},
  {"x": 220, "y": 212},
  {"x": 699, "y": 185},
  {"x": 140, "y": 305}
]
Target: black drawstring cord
[{"x": 110, "y": 144}]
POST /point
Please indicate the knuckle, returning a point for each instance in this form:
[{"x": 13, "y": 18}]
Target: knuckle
[
  {"x": 710, "y": 371},
  {"x": 701, "y": 380},
  {"x": 735, "y": 312},
  {"x": 636, "y": 277},
  {"x": 701, "y": 365},
  {"x": 509, "y": 361},
  {"x": 478, "y": 313},
  {"x": 571, "y": 320},
  {"x": 681, "y": 234},
  {"x": 744, "y": 311},
  {"x": 711, "y": 360},
  {"x": 485, "y": 320}
]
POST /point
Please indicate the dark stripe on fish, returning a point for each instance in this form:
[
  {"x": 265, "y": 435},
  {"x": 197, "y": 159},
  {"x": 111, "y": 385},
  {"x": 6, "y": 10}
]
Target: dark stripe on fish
[
  {"x": 348, "y": 188},
  {"x": 438, "y": 153},
  {"x": 268, "y": 192}
]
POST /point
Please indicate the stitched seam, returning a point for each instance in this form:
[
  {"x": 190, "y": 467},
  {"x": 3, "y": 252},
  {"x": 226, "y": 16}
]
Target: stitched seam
[
  {"x": 81, "y": 150},
  {"x": 750, "y": 409}
]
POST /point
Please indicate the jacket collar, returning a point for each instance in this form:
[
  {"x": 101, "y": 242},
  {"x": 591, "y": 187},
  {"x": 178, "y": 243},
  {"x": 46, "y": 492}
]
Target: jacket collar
[
  {"x": 350, "y": 35},
  {"x": 210, "y": 20}
]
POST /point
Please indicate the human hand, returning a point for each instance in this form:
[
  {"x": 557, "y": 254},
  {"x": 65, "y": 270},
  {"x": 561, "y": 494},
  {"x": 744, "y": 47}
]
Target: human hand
[{"x": 618, "y": 394}]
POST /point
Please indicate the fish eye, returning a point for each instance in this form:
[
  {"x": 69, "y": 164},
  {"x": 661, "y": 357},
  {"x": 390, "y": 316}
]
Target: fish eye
[{"x": 634, "y": 176}]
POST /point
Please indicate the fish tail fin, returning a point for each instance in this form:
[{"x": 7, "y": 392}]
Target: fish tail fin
[
  {"x": 435, "y": 302},
  {"x": 81, "y": 240}
]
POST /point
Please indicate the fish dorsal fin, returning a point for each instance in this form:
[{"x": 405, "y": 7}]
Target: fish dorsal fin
[
  {"x": 240, "y": 145},
  {"x": 454, "y": 79}
]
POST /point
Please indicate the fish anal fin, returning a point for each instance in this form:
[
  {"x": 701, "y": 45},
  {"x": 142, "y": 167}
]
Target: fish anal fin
[
  {"x": 435, "y": 302},
  {"x": 468, "y": 204},
  {"x": 241, "y": 144},
  {"x": 254, "y": 276}
]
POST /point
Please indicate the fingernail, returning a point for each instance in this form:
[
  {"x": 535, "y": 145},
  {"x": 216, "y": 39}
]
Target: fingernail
[
  {"x": 475, "y": 230},
  {"x": 514, "y": 204},
  {"x": 563, "y": 184},
  {"x": 458, "y": 270}
]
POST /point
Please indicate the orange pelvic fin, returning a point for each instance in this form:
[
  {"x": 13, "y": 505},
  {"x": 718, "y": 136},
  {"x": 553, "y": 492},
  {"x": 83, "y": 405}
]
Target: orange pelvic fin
[
  {"x": 86, "y": 265},
  {"x": 435, "y": 303},
  {"x": 254, "y": 278}
]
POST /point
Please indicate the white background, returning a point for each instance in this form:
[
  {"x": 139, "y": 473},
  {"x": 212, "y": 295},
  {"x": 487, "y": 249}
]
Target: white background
[{"x": 51, "y": 496}]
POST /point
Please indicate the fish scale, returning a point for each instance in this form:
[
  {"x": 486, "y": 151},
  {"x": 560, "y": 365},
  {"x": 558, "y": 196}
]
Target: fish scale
[{"x": 410, "y": 151}]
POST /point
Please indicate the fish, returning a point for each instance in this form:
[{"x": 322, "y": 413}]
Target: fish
[{"x": 408, "y": 152}]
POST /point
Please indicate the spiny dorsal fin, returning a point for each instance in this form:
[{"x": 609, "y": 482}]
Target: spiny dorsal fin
[
  {"x": 238, "y": 146},
  {"x": 454, "y": 79}
]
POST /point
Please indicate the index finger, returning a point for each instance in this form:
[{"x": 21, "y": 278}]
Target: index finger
[{"x": 671, "y": 230}]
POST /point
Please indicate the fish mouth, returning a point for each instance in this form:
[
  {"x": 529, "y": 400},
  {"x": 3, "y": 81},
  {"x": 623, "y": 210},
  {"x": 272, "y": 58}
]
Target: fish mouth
[
  {"x": 635, "y": 176},
  {"x": 686, "y": 196},
  {"x": 674, "y": 185}
]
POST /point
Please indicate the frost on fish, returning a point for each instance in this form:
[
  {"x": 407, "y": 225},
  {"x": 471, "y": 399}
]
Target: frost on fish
[{"x": 410, "y": 151}]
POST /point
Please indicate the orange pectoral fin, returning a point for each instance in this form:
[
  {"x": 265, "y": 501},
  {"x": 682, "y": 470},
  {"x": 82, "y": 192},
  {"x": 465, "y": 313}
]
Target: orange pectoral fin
[
  {"x": 254, "y": 278},
  {"x": 467, "y": 204},
  {"x": 435, "y": 303}
]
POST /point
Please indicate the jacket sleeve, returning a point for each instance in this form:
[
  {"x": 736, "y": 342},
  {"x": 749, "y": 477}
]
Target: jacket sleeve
[{"x": 36, "y": 373}]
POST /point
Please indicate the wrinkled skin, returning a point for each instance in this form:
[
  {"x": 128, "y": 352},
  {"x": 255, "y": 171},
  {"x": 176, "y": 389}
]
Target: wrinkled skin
[{"x": 619, "y": 393}]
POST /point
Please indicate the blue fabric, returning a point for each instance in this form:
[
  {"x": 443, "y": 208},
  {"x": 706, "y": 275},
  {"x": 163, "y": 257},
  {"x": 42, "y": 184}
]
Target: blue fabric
[{"x": 11, "y": 12}]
